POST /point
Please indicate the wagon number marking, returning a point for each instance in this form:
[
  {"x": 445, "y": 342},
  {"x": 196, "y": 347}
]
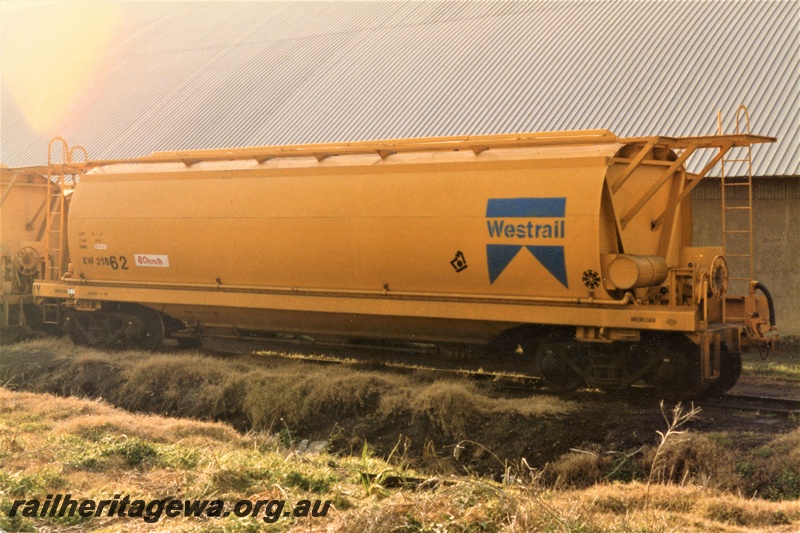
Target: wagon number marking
[{"x": 115, "y": 262}]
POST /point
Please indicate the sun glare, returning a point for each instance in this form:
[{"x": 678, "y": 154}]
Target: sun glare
[{"x": 50, "y": 52}]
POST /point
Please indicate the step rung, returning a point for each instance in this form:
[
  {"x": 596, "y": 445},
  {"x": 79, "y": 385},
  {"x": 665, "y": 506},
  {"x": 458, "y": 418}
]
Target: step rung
[
  {"x": 737, "y": 231},
  {"x": 743, "y": 208},
  {"x": 738, "y": 255},
  {"x": 737, "y": 184}
]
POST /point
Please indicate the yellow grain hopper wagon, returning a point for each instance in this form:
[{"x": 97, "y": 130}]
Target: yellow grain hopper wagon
[{"x": 574, "y": 246}]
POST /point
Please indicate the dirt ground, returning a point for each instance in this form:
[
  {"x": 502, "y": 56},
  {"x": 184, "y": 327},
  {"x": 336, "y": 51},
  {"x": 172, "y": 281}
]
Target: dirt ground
[
  {"x": 91, "y": 450},
  {"x": 600, "y": 425},
  {"x": 766, "y": 386},
  {"x": 438, "y": 425}
]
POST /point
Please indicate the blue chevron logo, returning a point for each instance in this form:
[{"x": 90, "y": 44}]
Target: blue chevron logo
[{"x": 530, "y": 223}]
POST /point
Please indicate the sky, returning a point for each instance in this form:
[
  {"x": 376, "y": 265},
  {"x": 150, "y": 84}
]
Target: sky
[{"x": 50, "y": 50}]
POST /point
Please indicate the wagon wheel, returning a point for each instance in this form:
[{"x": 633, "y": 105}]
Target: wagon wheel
[
  {"x": 99, "y": 328},
  {"x": 729, "y": 373},
  {"x": 557, "y": 365},
  {"x": 77, "y": 326},
  {"x": 679, "y": 376},
  {"x": 150, "y": 330}
]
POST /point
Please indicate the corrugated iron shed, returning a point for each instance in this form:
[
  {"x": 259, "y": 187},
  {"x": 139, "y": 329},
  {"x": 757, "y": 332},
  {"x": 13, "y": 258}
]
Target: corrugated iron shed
[{"x": 212, "y": 75}]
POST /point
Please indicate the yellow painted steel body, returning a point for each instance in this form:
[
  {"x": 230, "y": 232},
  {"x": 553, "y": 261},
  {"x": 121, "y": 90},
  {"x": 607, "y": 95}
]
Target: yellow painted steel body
[
  {"x": 446, "y": 239},
  {"x": 440, "y": 245},
  {"x": 21, "y": 208},
  {"x": 22, "y": 247}
]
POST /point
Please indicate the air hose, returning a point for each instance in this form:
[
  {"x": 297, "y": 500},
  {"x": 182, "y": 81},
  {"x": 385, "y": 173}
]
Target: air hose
[{"x": 760, "y": 286}]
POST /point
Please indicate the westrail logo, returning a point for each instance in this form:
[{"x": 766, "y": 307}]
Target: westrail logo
[{"x": 535, "y": 224}]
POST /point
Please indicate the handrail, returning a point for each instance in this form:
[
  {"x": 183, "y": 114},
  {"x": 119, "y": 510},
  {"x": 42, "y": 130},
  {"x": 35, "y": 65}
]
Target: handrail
[{"x": 477, "y": 144}]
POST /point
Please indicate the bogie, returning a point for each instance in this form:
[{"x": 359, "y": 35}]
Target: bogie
[{"x": 116, "y": 326}]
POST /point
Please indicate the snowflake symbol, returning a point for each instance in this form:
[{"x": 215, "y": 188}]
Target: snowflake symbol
[{"x": 591, "y": 279}]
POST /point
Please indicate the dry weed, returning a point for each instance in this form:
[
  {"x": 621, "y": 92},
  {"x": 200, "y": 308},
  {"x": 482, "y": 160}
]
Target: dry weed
[
  {"x": 692, "y": 458},
  {"x": 296, "y": 399},
  {"x": 233, "y": 466},
  {"x": 456, "y": 406},
  {"x": 578, "y": 469}
]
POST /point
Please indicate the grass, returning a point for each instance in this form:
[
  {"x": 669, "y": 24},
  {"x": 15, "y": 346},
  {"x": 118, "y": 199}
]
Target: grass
[
  {"x": 95, "y": 450},
  {"x": 275, "y": 396},
  {"x": 685, "y": 481},
  {"x": 784, "y": 365},
  {"x": 772, "y": 369}
]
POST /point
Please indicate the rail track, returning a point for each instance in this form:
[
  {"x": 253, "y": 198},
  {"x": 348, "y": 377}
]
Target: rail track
[
  {"x": 408, "y": 359},
  {"x": 758, "y": 404}
]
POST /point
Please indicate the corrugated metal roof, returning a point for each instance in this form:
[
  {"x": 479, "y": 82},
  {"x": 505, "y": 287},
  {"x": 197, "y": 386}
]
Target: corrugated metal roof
[{"x": 210, "y": 75}]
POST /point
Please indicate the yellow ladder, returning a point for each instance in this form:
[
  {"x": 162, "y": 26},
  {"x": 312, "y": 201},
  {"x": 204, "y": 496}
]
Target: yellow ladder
[
  {"x": 56, "y": 213},
  {"x": 56, "y": 216},
  {"x": 737, "y": 208}
]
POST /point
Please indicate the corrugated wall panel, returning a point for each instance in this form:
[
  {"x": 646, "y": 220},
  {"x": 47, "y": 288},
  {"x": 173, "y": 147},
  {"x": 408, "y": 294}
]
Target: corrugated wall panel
[
  {"x": 765, "y": 188},
  {"x": 205, "y": 75}
]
